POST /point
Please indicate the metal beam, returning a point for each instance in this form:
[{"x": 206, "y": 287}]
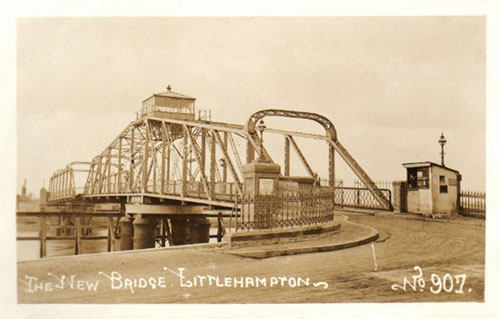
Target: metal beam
[
  {"x": 255, "y": 141},
  {"x": 228, "y": 161},
  {"x": 287, "y": 156},
  {"x": 298, "y": 134},
  {"x": 212, "y": 165},
  {"x": 163, "y": 147},
  {"x": 250, "y": 152},
  {"x": 101, "y": 175},
  {"x": 301, "y": 156},
  {"x": 331, "y": 166},
  {"x": 356, "y": 168},
  {"x": 198, "y": 159},
  {"x": 235, "y": 152},
  {"x": 224, "y": 164},
  {"x": 145, "y": 159},
  {"x": 108, "y": 179},
  {"x": 203, "y": 149},
  {"x": 184, "y": 164},
  {"x": 132, "y": 160},
  {"x": 120, "y": 165}
]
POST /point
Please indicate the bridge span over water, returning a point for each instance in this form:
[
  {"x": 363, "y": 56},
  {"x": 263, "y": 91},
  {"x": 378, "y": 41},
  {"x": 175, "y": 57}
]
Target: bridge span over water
[
  {"x": 162, "y": 156},
  {"x": 173, "y": 160}
]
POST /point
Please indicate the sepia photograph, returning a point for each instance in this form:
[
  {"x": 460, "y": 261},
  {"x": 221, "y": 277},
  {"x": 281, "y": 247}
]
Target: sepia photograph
[{"x": 257, "y": 160}]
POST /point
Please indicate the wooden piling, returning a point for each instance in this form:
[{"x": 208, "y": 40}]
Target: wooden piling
[
  {"x": 43, "y": 237},
  {"x": 77, "y": 236},
  {"x": 220, "y": 227}
]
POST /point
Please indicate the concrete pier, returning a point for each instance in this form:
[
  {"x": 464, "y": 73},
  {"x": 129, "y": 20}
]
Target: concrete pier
[
  {"x": 144, "y": 232},
  {"x": 126, "y": 234}
]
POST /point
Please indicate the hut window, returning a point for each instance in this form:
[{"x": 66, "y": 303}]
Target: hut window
[
  {"x": 423, "y": 178},
  {"x": 412, "y": 178},
  {"x": 418, "y": 177},
  {"x": 443, "y": 189},
  {"x": 442, "y": 179}
]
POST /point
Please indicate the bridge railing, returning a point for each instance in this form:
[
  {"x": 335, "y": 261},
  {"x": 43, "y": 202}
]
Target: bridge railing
[
  {"x": 359, "y": 197},
  {"x": 283, "y": 210},
  {"x": 64, "y": 183},
  {"x": 223, "y": 191},
  {"x": 150, "y": 110}
]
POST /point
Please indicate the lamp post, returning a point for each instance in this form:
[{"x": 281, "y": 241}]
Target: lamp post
[
  {"x": 261, "y": 127},
  {"x": 442, "y": 142}
]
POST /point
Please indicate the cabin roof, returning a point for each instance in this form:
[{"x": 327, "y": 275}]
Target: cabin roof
[
  {"x": 172, "y": 95},
  {"x": 427, "y": 164}
]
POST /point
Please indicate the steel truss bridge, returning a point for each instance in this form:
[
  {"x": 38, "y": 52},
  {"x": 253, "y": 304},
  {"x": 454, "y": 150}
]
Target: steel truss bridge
[{"x": 159, "y": 160}]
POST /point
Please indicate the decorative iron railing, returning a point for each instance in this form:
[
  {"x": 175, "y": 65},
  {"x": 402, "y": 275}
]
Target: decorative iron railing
[
  {"x": 285, "y": 209},
  {"x": 359, "y": 197},
  {"x": 473, "y": 204}
]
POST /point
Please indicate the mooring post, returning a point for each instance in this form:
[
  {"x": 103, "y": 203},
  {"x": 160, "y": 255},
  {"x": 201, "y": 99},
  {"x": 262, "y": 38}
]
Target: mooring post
[
  {"x": 220, "y": 232},
  {"x": 43, "y": 237},
  {"x": 77, "y": 235}
]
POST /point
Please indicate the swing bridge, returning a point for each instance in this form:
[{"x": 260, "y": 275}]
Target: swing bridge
[
  {"x": 171, "y": 163},
  {"x": 162, "y": 160}
]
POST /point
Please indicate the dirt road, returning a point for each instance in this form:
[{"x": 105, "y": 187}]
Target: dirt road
[{"x": 455, "y": 248}]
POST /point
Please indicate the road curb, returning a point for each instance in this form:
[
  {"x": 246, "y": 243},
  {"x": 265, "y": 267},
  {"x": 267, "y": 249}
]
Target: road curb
[
  {"x": 260, "y": 254},
  {"x": 277, "y": 234}
]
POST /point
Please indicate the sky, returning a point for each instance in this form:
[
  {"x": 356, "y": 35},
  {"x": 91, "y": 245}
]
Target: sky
[{"x": 390, "y": 85}]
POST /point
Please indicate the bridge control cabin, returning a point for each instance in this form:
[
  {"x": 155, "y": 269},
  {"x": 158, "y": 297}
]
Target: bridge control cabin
[
  {"x": 433, "y": 189},
  {"x": 169, "y": 104}
]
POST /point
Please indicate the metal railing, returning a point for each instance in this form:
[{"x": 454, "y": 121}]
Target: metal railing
[
  {"x": 150, "y": 109},
  {"x": 224, "y": 191},
  {"x": 285, "y": 209},
  {"x": 379, "y": 184},
  {"x": 359, "y": 197},
  {"x": 473, "y": 204},
  {"x": 205, "y": 115}
]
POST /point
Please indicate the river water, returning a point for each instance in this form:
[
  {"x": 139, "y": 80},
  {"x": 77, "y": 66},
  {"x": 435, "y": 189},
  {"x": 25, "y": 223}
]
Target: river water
[{"x": 30, "y": 249}]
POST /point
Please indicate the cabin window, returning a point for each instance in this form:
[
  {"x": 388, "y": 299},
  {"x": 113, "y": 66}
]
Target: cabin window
[
  {"x": 418, "y": 177},
  {"x": 442, "y": 179},
  {"x": 443, "y": 189}
]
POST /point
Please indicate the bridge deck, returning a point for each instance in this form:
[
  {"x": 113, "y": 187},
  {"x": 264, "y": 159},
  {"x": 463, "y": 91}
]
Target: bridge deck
[{"x": 195, "y": 195}]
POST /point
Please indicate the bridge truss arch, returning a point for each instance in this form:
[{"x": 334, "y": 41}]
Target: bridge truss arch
[
  {"x": 166, "y": 160},
  {"x": 325, "y": 122}
]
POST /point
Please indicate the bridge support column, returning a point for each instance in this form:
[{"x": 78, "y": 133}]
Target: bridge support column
[
  {"x": 190, "y": 231},
  {"x": 250, "y": 152},
  {"x": 126, "y": 234},
  {"x": 261, "y": 178},
  {"x": 144, "y": 232}
]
